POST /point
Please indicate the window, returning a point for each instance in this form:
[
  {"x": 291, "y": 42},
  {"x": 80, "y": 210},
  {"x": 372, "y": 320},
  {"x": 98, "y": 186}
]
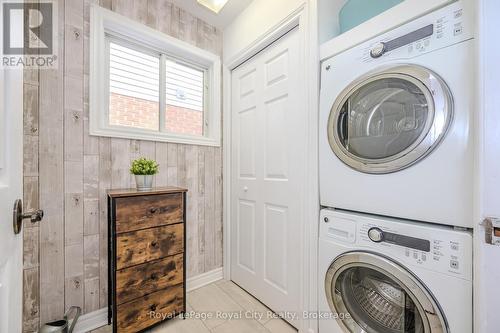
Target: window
[{"x": 150, "y": 86}]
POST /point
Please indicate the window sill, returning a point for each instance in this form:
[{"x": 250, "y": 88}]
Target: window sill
[{"x": 137, "y": 134}]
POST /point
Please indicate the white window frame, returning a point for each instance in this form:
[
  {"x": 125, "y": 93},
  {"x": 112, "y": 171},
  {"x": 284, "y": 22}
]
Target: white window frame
[{"x": 105, "y": 23}]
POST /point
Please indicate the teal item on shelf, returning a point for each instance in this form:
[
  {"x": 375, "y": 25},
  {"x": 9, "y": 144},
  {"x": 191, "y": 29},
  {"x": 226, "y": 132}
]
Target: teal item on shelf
[{"x": 356, "y": 12}]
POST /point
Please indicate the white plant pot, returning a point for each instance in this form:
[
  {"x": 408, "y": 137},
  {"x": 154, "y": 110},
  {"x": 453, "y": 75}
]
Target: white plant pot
[{"x": 144, "y": 182}]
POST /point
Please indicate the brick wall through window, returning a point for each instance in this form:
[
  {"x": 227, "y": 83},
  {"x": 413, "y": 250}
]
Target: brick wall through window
[{"x": 140, "y": 113}]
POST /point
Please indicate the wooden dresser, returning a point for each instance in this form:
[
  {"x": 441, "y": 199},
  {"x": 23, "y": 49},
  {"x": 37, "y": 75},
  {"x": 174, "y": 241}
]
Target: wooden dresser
[{"x": 146, "y": 252}]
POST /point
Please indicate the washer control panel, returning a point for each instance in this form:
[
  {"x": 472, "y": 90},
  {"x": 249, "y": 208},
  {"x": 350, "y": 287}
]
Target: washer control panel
[
  {"x": 430, "y": 246},
  {"x": 413, "y": 243}
]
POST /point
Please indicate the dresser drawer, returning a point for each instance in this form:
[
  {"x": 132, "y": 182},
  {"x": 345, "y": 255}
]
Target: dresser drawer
[
  {"x": 138, "y": 247},
  {"x": 140, "y": 280},
  {"x": 134, "y": 213},
  {"x": 139, "y": 314}
]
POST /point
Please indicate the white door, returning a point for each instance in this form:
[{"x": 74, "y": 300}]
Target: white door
[
  {"x": 267, "y": 168},
  {"x": 11, "y": 172}
]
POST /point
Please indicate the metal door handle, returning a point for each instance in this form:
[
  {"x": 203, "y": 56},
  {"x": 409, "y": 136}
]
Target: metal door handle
[{"x": 18, "y": 216}]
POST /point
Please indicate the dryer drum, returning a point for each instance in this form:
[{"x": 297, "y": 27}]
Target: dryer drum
[
  {"x": 378, "y": 302},
  {"x": 390, "y": 119},
  {"x": 371, "y": 293}
]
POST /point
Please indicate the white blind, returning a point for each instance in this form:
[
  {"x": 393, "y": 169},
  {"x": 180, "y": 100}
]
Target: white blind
[
  {"x": 133, "y": 73},
  {"x": 136, "y": 74}
]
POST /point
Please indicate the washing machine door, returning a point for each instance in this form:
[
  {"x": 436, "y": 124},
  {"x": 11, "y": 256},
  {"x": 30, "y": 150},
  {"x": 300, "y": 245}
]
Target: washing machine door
[
  {"x": 390, "y": 119},
  {"x": 371, "y": 293}
]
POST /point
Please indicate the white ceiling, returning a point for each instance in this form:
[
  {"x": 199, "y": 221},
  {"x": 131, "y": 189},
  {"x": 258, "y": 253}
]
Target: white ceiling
[{"x": 230, "y": 11}]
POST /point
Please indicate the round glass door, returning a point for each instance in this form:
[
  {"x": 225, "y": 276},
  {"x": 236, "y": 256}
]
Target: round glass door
[
  {"x": 388, "y": 121},
  {"x": 372, "y": 294}
]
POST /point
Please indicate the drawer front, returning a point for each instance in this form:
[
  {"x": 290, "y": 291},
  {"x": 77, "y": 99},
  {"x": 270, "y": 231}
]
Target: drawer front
[
  {"x": 149, "y": 310},
  {"x": 138, "y": 247},
  {"x": 141, "y": 212},
  {"x": 140, "y": 280}
]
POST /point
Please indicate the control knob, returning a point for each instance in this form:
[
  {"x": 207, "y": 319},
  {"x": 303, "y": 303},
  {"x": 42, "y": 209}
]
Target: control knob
[
  {"x": 378, "y": 50},
  {"x": 376, "y": 235}
]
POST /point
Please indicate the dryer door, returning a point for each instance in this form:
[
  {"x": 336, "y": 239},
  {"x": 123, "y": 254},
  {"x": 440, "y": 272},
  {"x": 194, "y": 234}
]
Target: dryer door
[
  {"x": 391, "y": 119},
  {"x": 371, "y": 293}
]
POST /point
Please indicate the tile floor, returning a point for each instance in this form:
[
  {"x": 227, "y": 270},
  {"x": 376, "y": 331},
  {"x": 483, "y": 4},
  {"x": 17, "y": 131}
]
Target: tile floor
[{"x": 226, "y": 297}]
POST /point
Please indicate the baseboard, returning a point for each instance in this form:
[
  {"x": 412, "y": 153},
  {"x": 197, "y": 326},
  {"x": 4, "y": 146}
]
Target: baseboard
[
  {"x": 91, "y": 321},
  {"x": 203, "y": 279},
  {"x": 99, "y": 318}
]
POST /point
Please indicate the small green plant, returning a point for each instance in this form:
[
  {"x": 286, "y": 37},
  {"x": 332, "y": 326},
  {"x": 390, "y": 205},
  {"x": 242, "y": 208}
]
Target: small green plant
[{"x": 143, "y": 166}]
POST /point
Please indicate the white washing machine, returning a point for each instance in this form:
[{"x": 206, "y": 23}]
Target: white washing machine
[
  {"x": 384, "y": 275},
  {"x": 396, "y": 115}
]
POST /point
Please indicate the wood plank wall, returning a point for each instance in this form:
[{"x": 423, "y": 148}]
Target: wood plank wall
[{"x": 67, "y": 172}]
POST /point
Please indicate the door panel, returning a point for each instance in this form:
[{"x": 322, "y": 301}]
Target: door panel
[
  {"x": 246, "y": 235},
  {"x": 276, "y": 244},
  {"x": 277, "y": 68},
  {"x": 268, "y": 145},
  {"x": 247, "y": 83},
  {"x": 276, "y": 162},
  {"x": 247, "y": 143}
]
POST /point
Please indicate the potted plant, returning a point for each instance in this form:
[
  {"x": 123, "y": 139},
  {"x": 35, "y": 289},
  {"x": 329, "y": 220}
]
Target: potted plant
[{"x": 144, "y": 170}]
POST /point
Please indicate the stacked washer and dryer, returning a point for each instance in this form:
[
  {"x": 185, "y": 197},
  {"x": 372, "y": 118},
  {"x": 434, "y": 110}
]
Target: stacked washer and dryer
[{"x": 396, "y": 165}]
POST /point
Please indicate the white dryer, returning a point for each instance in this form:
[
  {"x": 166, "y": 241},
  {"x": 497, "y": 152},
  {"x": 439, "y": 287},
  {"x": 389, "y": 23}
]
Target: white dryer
[
  {"x": 383, "y": 275},
  {"x": 396, "y": 114}
]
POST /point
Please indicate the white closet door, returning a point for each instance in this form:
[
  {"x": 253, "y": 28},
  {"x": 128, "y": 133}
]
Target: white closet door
[{"x": 267, "y": 168}]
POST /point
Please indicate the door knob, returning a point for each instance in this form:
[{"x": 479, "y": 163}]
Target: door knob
[
  {"x": 245, "y": 189},
  {"x": 18, "y": 216}
]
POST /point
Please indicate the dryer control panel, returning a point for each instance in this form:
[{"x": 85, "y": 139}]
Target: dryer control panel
[
  {"x": 429, "y": 246},
  {"x": 447, "y": 26}
]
